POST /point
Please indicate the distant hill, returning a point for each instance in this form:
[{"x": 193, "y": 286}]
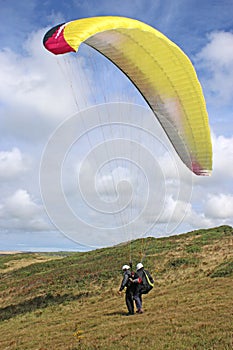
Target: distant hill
[{"x": 70, "y": 301}]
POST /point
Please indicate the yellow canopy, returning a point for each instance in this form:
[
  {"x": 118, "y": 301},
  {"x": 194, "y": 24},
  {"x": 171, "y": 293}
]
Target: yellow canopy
[{"x": 158, "y": 68}]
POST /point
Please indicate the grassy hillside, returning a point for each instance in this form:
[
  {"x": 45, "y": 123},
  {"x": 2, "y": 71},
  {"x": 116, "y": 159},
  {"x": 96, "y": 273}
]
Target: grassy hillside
[{"x": 70, "y": 301}]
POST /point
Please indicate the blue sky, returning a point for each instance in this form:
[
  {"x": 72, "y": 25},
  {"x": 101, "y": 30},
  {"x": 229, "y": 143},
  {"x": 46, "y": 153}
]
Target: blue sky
[{"x": 35, "y": 99}]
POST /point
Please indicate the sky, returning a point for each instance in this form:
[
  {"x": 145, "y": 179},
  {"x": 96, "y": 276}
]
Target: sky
[{"x": 111, "y": 180}]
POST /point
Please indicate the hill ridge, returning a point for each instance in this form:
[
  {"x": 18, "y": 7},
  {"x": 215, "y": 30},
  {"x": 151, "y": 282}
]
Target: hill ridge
[{"x": 62, "y": 294}]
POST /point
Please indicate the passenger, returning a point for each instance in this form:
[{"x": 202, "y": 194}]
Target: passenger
[
  {"x": 144, "y": 283},
  {"x": 130, "y": 288}
]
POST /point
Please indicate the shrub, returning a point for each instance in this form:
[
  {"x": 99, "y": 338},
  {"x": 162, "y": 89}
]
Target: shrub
[
  {"x": 223, "y": 270},
  {"x": 194, "y": 248},
  {"x": 183, "y": 261}
]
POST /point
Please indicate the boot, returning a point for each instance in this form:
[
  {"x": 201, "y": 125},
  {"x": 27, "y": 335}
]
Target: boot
[{"x": 140, "y": 311}]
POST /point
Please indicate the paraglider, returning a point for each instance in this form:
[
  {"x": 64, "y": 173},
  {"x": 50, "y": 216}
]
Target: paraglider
[{"x": 159, "y": 69}]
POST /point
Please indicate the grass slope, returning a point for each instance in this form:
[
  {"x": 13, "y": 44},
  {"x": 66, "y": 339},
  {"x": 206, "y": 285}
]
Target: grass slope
[{"x": 70, "y": 301}]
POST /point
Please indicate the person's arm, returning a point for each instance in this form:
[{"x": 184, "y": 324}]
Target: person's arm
[
  {"x": 137, "y": 279},
  {"x": 124, "y": 282}
]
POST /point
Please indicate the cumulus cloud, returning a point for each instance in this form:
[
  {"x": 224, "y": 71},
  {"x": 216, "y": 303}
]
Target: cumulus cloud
[
  {"x": 25, "y": 83},
  {"x": 198, "y": 219},
  {"x": 39, "y": 90},
  {"x": 222, "y": 157},
  {"x": 216, "y": 60},
  {"x": 34, "y": 94},
  {"x": 212, "y": 196},
  {"x": 107, "y": 185},
  {"x": 219, "y": 206},
  {"x": 222, "y": 174},
  {"x": 19, "y": 211},
  {"x": 12, "y": 163}
]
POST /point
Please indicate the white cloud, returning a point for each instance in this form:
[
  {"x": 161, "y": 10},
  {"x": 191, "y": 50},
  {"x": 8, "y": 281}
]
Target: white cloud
[
  {"x": 219, "y": 50},
  {"x": 198, "y": 220},
  {"x": 216, "y": 59},
  {"x": 170, "y": 212},
  {"x": 107, "y": 185},
  {"x": 212, "y": 197},
  {"x": 37, "y": 91},
  {"x": 219, "y": 206},
  {"x": 28, "y": 81},
  {"x": 222, "y": 173},
  {"x": 20, "y": 205},
  {"x": 19, "y": 211},
  {"x": 222, "y": 157},
  {"x": 12, "y": 163},
  {"x": 35, "y": 97}
]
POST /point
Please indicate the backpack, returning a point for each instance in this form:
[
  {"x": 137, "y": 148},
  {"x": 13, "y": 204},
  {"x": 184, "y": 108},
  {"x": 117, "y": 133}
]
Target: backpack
[{"x": 148, "y": 283}]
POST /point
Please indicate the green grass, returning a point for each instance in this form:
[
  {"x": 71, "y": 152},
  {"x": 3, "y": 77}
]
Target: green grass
[
  {"x": 223, "y": 270},
  {"x": 182, "y": 261},
  {"x": 71, "y": 301},
  {"x": 6, "y": 259}
]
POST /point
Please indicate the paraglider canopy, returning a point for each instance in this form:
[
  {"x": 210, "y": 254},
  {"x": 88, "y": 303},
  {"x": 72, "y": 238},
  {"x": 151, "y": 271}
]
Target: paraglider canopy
[{"x": 158, "y": 68}]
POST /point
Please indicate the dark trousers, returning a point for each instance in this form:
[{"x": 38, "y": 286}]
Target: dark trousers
[
  {"x": 129, "y": 301},
  {"x": 138, "y": 300}
]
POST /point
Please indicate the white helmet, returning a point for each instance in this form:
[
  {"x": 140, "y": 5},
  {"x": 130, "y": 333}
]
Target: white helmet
[
  {"x": 125, "y": 267},
  {"x": 139, "y": 266}
]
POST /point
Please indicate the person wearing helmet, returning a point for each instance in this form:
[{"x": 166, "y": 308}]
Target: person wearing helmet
[
  {"x": 130, "y": 287},
  {"x": 140, "y": 281},
  {"x": 139, "y": 266}
]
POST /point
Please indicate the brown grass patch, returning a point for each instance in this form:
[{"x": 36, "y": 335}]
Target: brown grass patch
[{"x": 72, "y": 303}]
